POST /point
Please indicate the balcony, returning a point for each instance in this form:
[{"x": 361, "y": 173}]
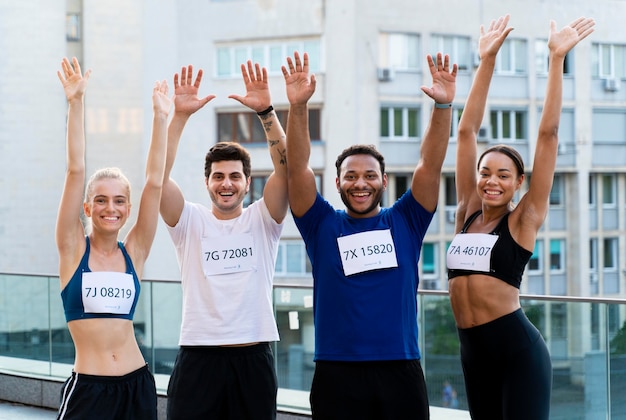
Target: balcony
[{"x": 586, "y": 338}]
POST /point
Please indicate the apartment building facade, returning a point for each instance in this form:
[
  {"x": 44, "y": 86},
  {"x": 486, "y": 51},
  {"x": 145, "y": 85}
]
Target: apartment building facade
[{"x": 369, "y": 60}]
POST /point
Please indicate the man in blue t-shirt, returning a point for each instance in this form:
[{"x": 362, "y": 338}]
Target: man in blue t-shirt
[{"x": 365, "y": 260}]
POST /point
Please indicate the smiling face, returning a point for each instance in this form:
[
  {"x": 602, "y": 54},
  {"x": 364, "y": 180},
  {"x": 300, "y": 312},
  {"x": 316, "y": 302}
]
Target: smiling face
[
  {"x": 498, "y": 179},
  {"x": 361, "y": 184},
  {"x": 108, "y": 204},
  {"x": 227, "y": 186}
]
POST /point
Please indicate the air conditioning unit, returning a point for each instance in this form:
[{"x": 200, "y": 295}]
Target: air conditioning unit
[
  {"x": 385, "y": 74},
  {"x": 483, "y": 134},
  {"x": 450, "y": 215},
  {"x": 611, "y": 84}
]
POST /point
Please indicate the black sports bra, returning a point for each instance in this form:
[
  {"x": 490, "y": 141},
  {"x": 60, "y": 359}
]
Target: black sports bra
[{"x": 507, "y": 259}]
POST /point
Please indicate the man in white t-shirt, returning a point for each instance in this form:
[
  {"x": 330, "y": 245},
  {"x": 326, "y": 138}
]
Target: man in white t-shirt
[{"x": 225, "y": 367}]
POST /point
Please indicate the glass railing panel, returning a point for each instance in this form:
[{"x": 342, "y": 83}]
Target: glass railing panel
[
  {"x": 616, "y": 325},
  {"x": 586, "y": 339},
  {"x": 24, "y": 323},
  {"x": 164, "y": 329},
  {"x": 439, "y": 345},
  {"x": 294, "y": 352},
  {"x": 61, "y": 344}
]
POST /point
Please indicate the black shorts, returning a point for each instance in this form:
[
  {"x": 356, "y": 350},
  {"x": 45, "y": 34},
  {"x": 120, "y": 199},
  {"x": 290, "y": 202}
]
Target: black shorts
[
  {"x": 213, "y": 382},
  {"x": 385, "y": 390},
  {"x": 131, "y": 396}
]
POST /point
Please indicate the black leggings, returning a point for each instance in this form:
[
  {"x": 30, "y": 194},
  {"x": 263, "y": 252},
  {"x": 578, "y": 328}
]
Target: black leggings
[{"x": 507, "y": 368}]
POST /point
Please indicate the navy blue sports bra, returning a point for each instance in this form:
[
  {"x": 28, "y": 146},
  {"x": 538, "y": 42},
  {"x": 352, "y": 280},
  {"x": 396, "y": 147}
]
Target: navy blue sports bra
[
  {"x": 101, "y": 294},
  {"x": 508, "y": 258}
]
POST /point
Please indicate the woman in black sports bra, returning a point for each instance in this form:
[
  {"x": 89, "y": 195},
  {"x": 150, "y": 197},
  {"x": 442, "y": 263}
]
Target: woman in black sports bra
[
  {"x": 506, "y": 364},
  {"x": 99, "y": 274}
]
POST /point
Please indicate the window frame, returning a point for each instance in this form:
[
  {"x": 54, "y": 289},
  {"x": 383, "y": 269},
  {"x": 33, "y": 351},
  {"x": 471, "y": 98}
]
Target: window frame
[
  {"x": 561, "y": 255},
  {"x": 497, "y": 124},
  {"x": 400, "y": 51},
  {"x": 512, "y": 58},
  {"x": 608, "y": 51},
  {"x": 283, "y": 258},
  {"x": 410, "y": 115},
  {"x": 538, "y": 256},
  {"x": 230, "y": 56},
  {"x": 73, "y": 27},
  {"x": 457, "y": 46}
]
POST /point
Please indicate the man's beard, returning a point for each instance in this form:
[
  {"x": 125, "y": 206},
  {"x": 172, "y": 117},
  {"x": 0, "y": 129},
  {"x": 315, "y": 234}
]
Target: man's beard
[{"x": 377, "y": 198}]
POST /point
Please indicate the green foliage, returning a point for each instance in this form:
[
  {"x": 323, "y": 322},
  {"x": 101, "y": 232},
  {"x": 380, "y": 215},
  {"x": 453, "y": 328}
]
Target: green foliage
[
  {"x": 441, "y": 334},
  {"x": 618, "y": 343}
]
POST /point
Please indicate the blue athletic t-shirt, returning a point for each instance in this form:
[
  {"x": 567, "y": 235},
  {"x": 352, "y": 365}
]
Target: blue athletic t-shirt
[{"x": 364, "y": 312}]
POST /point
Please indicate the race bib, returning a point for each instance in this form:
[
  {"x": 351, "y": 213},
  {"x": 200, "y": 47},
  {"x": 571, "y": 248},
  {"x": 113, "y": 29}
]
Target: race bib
[
  {"x": 228, "y": 254},
  {"x": 471, "y": 251},
  {"x": 108, "y": 292},
  {"x": 367, "y": 251}
]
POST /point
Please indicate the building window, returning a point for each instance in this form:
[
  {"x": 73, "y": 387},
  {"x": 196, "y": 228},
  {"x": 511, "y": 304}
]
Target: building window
[
  {"x": 541, "y": 58},
  {"x": 535, "y": 264},
  {"x": 245, "y": 127},
  {"x": 593, "y": 191},
  {"x": 430, "y": 266},
  {"x": 429, "y": 259},
  {"x": 593, "y": 254},
  {"x": 72, "y": 27},
  {"x": 609, "y": 191},
  {"x": 508, "y": 124},
  {"x": 557, "y": 249},
  {"x": 399, "y": 51},
  {"x": 557, "y": 193},
  {"x": 593, "y": 265},
  {"x": 399, "y": 123},
  {"x": 450, "y": 193},
  {"x": 398, "y": 184},
  {"x": 609, "y": 60},
  {"x": 455, "y": 46},
  {"x": 456, "y": 118},
  {"x": 257, "y": 185},
  {"x": 229, "y": 58},
  {"x": 512, "y": 57},
  {"x": 402, "y": 183},
  {"x": 610, "y": 255},
  {"x": 292, "y": 259}
]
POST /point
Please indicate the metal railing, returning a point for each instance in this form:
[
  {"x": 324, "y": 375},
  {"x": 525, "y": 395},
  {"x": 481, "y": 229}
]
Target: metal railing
[{"x": 586, "y": 338}]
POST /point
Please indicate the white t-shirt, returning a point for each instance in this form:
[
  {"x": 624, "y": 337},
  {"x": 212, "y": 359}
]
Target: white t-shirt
[{"x": 227, "y": 271}]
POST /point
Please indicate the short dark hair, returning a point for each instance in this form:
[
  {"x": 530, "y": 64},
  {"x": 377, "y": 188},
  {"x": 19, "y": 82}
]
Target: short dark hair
[
  {"x": 227, "y": 150},
  {"x": 505, "y": 150},
  {"x": 360, "y": 149}
]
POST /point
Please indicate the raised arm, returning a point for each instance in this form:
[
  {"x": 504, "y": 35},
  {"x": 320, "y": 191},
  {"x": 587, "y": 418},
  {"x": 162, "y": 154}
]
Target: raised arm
[
  {"x": 258, "y": 99},
  {"x": 141, "y": 235},
  {"x": 427, "y": 174},
  {"x": 300, "y": 87},
  {"x": 489, "y": 44},
  {"x": 186, "y": 102},
  {"x": 534, "y": 204},
  {"x": 69, "y": 229}
]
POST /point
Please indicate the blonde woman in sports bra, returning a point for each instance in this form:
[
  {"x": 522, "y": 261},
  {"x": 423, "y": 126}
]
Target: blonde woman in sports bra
[{"x": 100, "y": 274}]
